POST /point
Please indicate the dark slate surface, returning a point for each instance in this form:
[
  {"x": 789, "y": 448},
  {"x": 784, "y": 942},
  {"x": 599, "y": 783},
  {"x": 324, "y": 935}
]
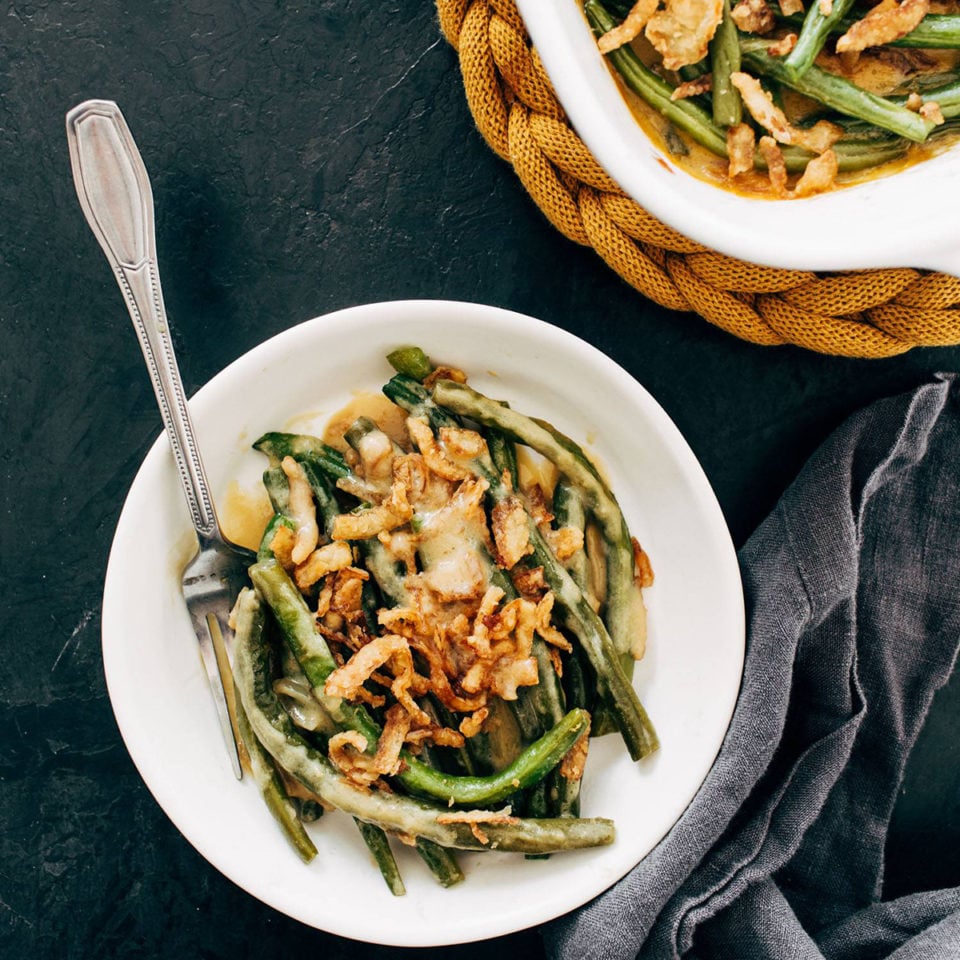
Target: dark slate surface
[{"x": 305, "y": 157}]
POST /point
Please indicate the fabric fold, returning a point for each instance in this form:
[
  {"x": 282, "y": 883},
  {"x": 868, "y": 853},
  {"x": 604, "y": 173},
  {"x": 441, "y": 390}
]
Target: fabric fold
[{"x": 853, "y": 624}]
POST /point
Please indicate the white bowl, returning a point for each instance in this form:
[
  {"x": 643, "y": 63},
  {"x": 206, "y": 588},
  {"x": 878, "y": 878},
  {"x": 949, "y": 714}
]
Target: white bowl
[
  {"x": 688, "y": 681},
  {"x": 906, "y": 219}
]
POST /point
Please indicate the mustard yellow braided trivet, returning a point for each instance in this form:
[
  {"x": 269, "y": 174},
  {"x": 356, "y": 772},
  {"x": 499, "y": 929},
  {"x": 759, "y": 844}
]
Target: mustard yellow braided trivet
[{"x": 875, "y": 313}]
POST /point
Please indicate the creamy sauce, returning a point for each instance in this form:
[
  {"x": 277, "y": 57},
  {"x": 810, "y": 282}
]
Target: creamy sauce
[
  {"x": 875, "y": 75},
  {"x": 381, "y": 564},
  {"x": 534, "y": 469},
  {"x": 386, "y": 414},
  {"x": 448, "y": 548},
  {"x": 376, "y": 454},
  {"x": 244, "y": 514}
]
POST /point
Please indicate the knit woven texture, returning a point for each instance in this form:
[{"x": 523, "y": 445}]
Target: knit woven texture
[{"x": 868, "y": 313}]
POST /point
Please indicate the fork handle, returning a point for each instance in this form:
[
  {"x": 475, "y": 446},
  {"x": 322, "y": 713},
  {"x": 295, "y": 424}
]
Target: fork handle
[{"x": 114, "y": 192}]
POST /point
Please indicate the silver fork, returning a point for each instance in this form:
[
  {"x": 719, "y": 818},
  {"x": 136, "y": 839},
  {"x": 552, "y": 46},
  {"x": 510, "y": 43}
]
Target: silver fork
[{"x": 116, "y": 198}]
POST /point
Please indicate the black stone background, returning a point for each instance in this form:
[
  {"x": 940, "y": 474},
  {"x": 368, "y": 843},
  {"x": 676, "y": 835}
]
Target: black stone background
[{"x": 304, "y": 157}]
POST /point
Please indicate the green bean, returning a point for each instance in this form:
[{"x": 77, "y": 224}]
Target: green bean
[
  {"x": 580, "y": 618},
  {"x": 947, "y": 97},
  {"x": 297, "y": 624},
  {"x": 690, "y": 71},
  {"x": 839, "y": 94},
  {"x": 392, "y": 812},
  {"x": 852, "y": 157},
  {"x": 686, "y": 116},
  {"x": 323, "y": 495},
  {"x": 379, "y": 846},
  {"x": 531, "y": 766},
  {"x": 816, "y": 28},
  {"x": 504, "y": 456},
  {"x": 724, "y": 60},
  {"x": 441, "y": 862},
  {"x": 410, "y": 361},
  {"x": 568, "y": 511},
  {"x": 278, "y": 488},
  {"x": 301, "y": 446},
  {"x": 936, "y": 31},
  {"x": 273, "y": 791},
  {"x": 415, "y": 399}
]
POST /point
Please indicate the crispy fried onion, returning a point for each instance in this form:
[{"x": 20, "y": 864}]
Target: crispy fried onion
[
  {"x": 470, "y": 658},
  {"x": 753, "y": 16},
  {"x": 394, "y": 511},
  {"x": 501, "y": 642},
  {"x": 301, "y": 510},
  {"x": 630, "y": 28},
  {"x": 931, "y": 111},
  {"x": 537, "y": 504},
  {"x": 789, "y": 7},
  {"x": 820, "y": 137},
  {"x": 284, "y": 539},
  {"x": 347, "y": 750},
  {"x": 529, "y": 582},
  {"x": 423, "y": 488},
  {"x": 474, "y": 818},
  {"x": 887, "y": 21},
  {"x": 564, "y": 541},
  {"x": 544, "y": 627},
  {"x": 511, "y": 531},
  {"x": 693, "y": 88},
  {"x": 820, "y": 174},
  {"x": 776, "y": 168},
  {"x": 342, "y": 594},
  {"x": 575, "y": 759},
  {"x": 472, "y": 725},
  {"x": 783, "y": 46},
  {"x": 444, "y": 373},
  {"x": 433, "y": 453},
  {"x": 461, "y": 443},
  {"x": 741, "y": 144},
  {"x": 346, "y": 681},
  {"x": 642, "y": 565},
  {"x": 682, "y": 31},
  {"x": 326, "y": 559}
]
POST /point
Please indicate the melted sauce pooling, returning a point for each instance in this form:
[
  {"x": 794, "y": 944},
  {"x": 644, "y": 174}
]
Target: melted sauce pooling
[{"x": 244, "y": 514}]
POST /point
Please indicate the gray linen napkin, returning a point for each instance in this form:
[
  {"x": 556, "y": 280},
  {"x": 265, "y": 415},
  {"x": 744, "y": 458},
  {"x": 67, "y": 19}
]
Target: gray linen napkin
[{"x": 853, "y": 623}]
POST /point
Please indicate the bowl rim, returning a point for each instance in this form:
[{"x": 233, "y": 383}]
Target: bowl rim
[
  {"x": 881, "y": 222},
  {"x": 130, "y": 701}
]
